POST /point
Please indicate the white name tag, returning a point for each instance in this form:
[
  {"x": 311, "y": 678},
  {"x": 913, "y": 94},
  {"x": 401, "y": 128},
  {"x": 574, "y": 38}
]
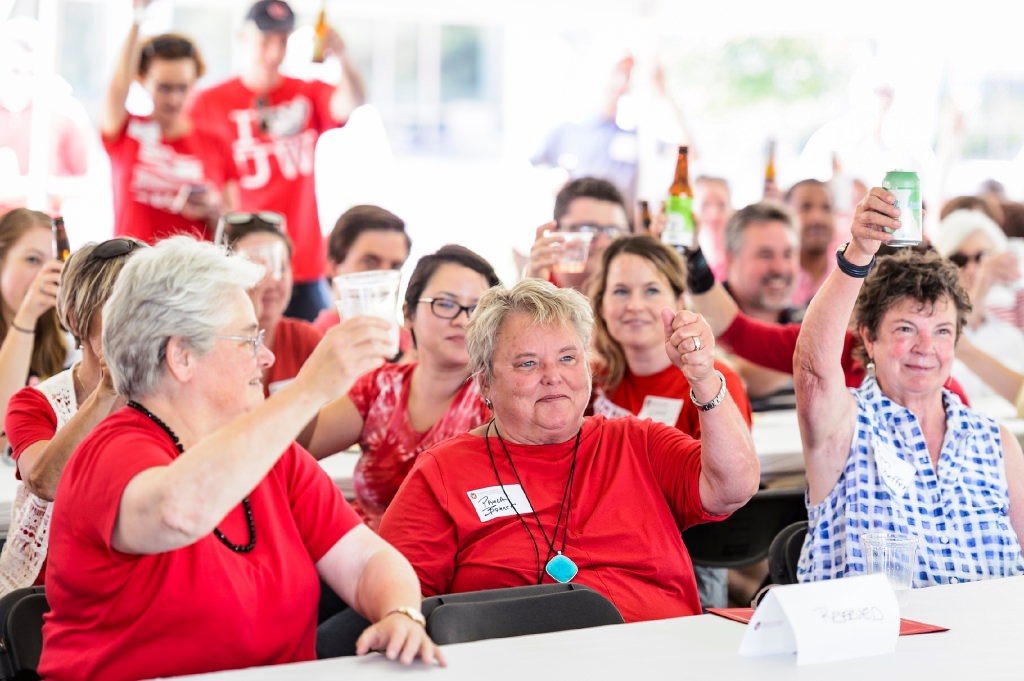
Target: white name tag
[
  {"x": 835, "y": 619},
  {"x": 894, "y": 471},
  {"x": 491, "y": 502},
  {"x": 661, "y": 409}
]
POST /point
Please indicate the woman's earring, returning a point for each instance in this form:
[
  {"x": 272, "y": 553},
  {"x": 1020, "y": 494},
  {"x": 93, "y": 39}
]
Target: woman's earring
[{"x": 490, "y": 405}]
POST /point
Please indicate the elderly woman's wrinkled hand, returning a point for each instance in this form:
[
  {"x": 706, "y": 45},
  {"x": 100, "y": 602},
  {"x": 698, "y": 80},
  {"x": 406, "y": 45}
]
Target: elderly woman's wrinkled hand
[
  {"x": 400, "y": 638},
  {"x": 347, "y": 351},
  {"x": 690, "y": 345},
  {"x": 874, "y": 221}
]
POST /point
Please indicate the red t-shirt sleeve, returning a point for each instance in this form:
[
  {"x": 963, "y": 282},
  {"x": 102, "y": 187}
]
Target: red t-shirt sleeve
[
  {"x": 321, "y": 513},
  {"x": 769, "y": 345},
  {"x": 30, "y": 419},
  {"x": 321, "y": 93},
  {"x": 675, "y": 460},
  {"x": 418, "y": 524}
]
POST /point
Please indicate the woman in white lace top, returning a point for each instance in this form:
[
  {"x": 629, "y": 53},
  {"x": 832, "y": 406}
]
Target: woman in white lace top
[{"x": 46, "y": 422}]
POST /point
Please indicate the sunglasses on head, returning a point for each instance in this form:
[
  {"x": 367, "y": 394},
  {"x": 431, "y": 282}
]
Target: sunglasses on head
[
  {"x": 114, "y": 248},
  {"x": 267, "y": 217},
  {"x": 962, "y": 259}
]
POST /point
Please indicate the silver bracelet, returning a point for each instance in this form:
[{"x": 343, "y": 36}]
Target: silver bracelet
[{"x": 716, "y": 400}]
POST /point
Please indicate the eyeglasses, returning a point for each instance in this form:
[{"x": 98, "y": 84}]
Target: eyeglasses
[
  {"x": 962, "y": 259},
  {"x": 242, "y": 218},
  {"x": 114, "y": 248},
  {"x": 446, "y": 308},
  {"x": 610, "y": 231},
  {"x": 255, "y": 341}
]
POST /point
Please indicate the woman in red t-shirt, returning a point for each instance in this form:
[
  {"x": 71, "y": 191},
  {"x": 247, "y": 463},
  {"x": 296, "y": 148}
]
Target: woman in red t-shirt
[
  {"x": 638, "y": 278},
  {"x": 399, "y": 410},
  {"x": 167, "y": 175}
]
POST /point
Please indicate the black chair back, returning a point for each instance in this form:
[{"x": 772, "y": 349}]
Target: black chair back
[
  {"x": 784, "y": 553},
  {"x": 21, "y": 632},
  {"x": 501, "y": 613},
  {"x": 744, "y": 537}
]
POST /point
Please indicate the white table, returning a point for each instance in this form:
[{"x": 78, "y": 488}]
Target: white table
[{"x": 983, "y": 618}]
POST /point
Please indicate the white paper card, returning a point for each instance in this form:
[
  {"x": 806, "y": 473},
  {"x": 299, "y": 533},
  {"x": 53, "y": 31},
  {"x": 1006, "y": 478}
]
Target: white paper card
[
  {"x": 491, "y": 502},
  {"x": 661, "y": 409},
  {"x": 836, "y": 619}
]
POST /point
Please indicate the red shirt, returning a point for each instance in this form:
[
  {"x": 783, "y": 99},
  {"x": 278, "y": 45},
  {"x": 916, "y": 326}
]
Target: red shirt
[
  {"x": 200, "y": 608},
  {"x": 636, "y": 486},
  {"x": 635, "y": 393},
  {"x": 389, "y": 443},
  {"x": 294, "y": 342},
  {"x": 149, "y": 174},
  {"x": 272, "y": 147}
]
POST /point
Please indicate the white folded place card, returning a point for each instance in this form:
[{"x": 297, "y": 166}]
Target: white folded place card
[{"x": 835, "y": 619}]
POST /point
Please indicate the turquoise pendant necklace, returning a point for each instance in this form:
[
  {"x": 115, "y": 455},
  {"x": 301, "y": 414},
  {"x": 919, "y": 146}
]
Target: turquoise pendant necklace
[{"x": 558, "y": 566}]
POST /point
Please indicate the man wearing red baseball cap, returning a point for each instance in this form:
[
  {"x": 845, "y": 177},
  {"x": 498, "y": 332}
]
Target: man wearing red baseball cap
[{"x": 269, "y": 124}]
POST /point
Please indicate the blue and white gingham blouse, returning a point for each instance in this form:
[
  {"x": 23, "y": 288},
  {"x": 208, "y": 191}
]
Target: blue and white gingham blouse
[{"x": 960, "y": 512}]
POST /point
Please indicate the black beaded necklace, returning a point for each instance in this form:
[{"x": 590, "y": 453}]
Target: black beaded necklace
[
  {"x": 560, "y": 567},
  {"x": 237, "y": 548}
]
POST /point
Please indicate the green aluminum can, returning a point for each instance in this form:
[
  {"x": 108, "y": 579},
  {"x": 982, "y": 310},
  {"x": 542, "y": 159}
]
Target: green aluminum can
[{"x": 906, "y": 187}]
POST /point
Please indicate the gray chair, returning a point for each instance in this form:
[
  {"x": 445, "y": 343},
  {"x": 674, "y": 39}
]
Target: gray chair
[
  {"x": 517, "y": 611},
  {"x": 784, "y": 553},
  {"x": 21, "y": 632},
  {"x": 745, "y": 536}
]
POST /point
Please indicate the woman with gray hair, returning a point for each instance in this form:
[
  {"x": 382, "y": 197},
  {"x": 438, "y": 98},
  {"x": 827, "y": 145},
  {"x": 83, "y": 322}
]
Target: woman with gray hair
[
  {"x": 190, "y": 532},
  {"x": 46, "y": 422},
  {"x": 542, "y": 494}
]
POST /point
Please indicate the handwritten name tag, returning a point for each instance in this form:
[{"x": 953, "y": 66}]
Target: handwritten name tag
[
  {"x": 491, "y": 502},
  {"x": 661, "y": 409},
  {"x": 894, "y": 471},
  {"x": 836, "y": 619}
]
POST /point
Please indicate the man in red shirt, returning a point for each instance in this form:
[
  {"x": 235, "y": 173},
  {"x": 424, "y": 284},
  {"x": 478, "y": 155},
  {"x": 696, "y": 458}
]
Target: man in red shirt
[{"x": 270, "y": 124}]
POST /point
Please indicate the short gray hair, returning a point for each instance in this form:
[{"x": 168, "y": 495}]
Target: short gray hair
[
  {"x": 546, "y": 303},
  {"x": 176, "y": 288},
  {"x": 756, "y": 213}
]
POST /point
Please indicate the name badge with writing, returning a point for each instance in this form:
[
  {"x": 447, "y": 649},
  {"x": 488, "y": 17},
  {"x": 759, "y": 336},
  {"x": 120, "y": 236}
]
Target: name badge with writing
[
  {"x": 835, "y": 619},
  {"x": 661, "y": 409},
  {"x": 491, "y": 502},
  {"x": 894, "y": 471}
]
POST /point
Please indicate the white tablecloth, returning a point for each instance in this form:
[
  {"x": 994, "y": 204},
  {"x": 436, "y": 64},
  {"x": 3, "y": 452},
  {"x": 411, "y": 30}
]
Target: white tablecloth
[{"x": 983, "y": 620}]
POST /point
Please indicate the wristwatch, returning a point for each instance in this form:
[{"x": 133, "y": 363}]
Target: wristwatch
[
  {"x": 848, "y": 268},
  {"x": 715, "y": 401},
  {"x": 412, "y": 613}
]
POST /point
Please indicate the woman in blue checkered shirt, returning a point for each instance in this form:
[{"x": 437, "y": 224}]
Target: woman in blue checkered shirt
[{"x": 900, "y": 453}]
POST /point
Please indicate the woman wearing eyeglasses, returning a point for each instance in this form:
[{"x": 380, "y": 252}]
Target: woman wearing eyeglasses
[
  {"x": 399, "y": 410},
  {"x": 261, "y": 238},
  {"x": 46, "y": 422},
  {"x": 978, "y": 247},
  {"x": 167, "y": 175},
  {"x": 189, "y": 532}
]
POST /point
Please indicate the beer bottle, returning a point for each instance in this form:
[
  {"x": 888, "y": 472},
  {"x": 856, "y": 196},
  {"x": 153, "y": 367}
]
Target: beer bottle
[
  {"x": 320, "y": 34},
  {"x": 61, "y": 246},
  {"x": 679, "y": 207},
  {"x": 771, "y": 189}
]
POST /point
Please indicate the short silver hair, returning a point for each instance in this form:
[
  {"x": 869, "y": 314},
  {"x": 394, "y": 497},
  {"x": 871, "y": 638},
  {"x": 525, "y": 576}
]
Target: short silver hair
[
  {"x": 176, "y": 288},
  {"x": 546, "y": 303}
]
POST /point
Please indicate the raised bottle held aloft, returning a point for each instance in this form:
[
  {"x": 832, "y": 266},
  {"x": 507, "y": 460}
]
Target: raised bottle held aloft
[{"x": 679, "y": 206}]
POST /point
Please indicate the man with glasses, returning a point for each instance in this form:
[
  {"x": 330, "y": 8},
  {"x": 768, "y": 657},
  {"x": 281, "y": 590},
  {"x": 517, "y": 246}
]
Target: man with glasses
[
  {"x": 587, "y": 204},
  {"x": 271, "y": 123}
]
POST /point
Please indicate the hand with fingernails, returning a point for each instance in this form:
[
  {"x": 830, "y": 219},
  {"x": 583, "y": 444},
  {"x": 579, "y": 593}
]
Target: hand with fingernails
[{"x": 691, "y": 347}]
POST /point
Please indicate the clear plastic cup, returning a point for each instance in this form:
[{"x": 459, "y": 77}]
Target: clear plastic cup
[
  {"x": 893, "y": 555},
  {"x": 575, "y": 249},
  {"x": 373, "y": 294}
]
